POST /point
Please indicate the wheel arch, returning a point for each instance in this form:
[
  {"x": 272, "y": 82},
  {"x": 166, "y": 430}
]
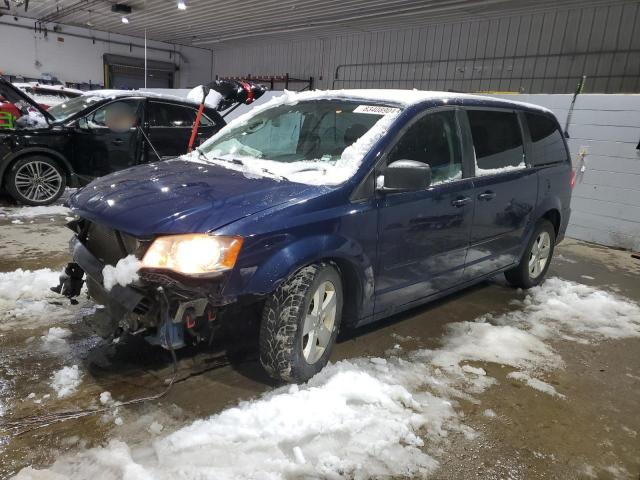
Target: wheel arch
[
  {"x": 554, "y": 216},
  {"x": 27, "y": 152},
  {"x": 346, "y": 256}
]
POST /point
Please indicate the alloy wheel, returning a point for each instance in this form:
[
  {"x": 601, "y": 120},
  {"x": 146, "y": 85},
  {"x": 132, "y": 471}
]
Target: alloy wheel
[
  {"x": 319, "y": 321},
  {"x": 38, "y": 181},
  {"x": 539, "y": 256}
]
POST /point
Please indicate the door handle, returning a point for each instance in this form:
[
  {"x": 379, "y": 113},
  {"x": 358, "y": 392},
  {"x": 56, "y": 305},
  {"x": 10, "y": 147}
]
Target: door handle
[
  {"x": 461, "y": 201},
  {"x": 117, "y": 141},
  {"x": 488, "y": 195}
]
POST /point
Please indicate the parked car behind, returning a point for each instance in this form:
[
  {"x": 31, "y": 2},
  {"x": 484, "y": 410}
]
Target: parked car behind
[
  {"x": 91, "y": 135},
  {"x": 46, "y": 95},
  {"x": 324, "y": 210}
]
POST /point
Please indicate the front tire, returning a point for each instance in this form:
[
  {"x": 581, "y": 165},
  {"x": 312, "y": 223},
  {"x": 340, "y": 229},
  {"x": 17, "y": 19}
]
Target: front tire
[
  {"x": 536, "y": 259},
  {"x": 36, "y": 180},
  {"x": 300, "y": 323}
]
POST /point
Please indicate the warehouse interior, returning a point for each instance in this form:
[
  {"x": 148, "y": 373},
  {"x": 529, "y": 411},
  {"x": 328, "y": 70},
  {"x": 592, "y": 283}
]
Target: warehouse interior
[{"x": 489, "y": 381}]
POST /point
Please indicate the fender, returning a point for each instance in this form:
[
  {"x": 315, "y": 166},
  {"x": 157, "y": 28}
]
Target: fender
[
  {"x": 355, "y": 266},
  {"x": 547, "y": 203},
  {"x": 10, "y": 157}
]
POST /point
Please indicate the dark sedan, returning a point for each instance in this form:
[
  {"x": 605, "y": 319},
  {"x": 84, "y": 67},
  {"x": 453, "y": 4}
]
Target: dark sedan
[{"x": 98, "y": 133}]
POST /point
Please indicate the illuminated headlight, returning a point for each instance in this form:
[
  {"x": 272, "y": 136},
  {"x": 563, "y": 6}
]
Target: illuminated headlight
[{"x": 193, "y": 254}]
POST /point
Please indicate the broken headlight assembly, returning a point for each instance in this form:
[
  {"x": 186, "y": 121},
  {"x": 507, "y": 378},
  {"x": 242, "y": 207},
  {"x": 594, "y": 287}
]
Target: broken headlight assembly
[{"x": 193, "y": 254}]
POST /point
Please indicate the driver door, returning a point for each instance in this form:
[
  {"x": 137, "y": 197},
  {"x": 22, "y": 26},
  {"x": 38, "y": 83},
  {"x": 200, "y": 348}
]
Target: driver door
[
  {"x": 108, "y": 139},
  {"x": 424, "y": 235}
]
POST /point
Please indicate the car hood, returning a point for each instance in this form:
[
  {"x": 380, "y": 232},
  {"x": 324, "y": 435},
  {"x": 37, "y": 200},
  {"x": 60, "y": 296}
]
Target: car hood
[
  {"x": 15, "y": 95},
  {"x": 179, "y": 196}
]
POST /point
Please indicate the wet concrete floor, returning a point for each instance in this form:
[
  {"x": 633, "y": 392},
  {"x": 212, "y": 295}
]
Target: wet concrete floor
[{"x": 592, "y": 434}]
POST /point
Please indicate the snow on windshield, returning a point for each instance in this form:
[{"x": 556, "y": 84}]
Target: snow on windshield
[{"x": 322, "y": 141}]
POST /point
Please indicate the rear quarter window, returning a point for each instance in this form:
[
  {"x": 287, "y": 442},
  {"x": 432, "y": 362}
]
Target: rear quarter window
[{"x": 547, "y": 144}]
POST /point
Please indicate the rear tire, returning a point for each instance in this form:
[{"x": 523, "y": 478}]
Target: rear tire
[
  {"x": 36, "y": 180},
  {"x": 300, "y": 323},
  {"x": 536, "y": 258}
]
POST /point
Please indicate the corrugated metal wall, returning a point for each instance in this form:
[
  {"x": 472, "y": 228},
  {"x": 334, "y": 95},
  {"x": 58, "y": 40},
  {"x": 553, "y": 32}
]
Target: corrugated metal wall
[{"x": 539, "y": 52}]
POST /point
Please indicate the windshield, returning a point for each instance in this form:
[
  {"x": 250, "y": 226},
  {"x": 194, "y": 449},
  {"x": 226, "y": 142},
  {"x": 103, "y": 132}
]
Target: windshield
[
  {"x": 315, "y": 141},
  {"x": 66, "y": 109}
]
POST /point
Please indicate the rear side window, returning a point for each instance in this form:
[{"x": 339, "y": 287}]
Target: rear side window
[
  {"x": 170, "y": 115},
  {"x": 497, "y": 141},
  {"x": 547, "y": 144}
]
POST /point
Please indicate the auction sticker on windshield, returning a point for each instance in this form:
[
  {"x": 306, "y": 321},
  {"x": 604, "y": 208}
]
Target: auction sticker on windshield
[{"x": 375, "y": 109}]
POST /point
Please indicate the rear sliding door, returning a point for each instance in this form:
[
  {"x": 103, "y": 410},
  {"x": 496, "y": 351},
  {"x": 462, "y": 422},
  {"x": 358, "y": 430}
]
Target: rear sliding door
[{"x": 505, "y": 191}]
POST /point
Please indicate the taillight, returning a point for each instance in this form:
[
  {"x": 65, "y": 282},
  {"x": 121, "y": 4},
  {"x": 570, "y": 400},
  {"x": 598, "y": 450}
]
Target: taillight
[{"x": 572, "y": 181}]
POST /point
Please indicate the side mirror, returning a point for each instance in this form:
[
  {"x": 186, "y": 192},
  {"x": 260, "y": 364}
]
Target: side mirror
[{"x": 406, "y": 176}]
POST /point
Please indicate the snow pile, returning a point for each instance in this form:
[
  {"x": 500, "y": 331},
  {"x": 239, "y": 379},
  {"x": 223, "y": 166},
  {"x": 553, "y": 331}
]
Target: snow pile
[
  {"x": 557, "y": 309},
  {"x": 573, "y": 311},
  {"x": 124, "y": 273},
  {"x": 105, "y": 398},
  {"x": 55, "y": 340},
  {"x": 535, "y": 384},
  {"x": 369, "y": 418},
  {"x": 31, "y": 212},
  {"x": 213, "y": 98},
  {"x": 25, "y": 288},
  {"x": 66, "y": 380},
  {"x": 26, "y": 300},
  {"x": 355, "y": 419}
]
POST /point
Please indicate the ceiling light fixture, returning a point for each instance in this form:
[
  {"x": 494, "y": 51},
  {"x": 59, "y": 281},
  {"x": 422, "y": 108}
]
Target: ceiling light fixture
[
  {"x": 182, "y": 5},
  {"x": 125, "y": 20}
]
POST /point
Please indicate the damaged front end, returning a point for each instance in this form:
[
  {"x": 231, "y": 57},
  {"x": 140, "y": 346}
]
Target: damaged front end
[{"x": 168, "y": 308}]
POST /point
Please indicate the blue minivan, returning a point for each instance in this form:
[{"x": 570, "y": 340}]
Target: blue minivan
[{"x": 323, "y": 210}]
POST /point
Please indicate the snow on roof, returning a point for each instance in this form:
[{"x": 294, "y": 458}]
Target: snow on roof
[
  {"x": 140, "y": 93},
  {"x": 403, "y": 98},
  {"x": 44, "y": 86}
]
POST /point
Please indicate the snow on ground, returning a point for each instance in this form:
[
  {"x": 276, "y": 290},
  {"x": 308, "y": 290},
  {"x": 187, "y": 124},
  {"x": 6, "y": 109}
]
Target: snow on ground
[
  {"x": 66, "y": 380},
  {"x": 365, "y": 417},
  {"x": 31, "y": 212},
  {"x": 27, "y": 302},
  {"x": 124, "y": 273}
]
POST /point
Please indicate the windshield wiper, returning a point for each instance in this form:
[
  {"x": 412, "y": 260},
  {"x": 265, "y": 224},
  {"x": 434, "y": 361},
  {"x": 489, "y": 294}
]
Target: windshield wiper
[
  {"x": 311, "y": 168},
  {"x": 238, "y": 161},
  {"x": 273, "y": 174}
]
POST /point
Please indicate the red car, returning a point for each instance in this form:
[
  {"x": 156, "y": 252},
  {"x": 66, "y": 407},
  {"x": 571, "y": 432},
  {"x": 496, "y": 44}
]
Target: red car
[{"x": 10, "y": 108}]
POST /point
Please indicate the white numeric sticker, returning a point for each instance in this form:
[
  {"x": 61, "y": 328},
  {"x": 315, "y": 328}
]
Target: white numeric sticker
[{"x": 375, "y": 109}]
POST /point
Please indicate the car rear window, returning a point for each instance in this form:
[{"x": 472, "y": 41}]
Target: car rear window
[
  {"x": 547, "y": 144},
  {"x": 497, "y": 140}
]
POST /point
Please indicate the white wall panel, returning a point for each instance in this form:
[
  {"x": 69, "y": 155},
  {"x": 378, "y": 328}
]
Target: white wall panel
[
  {"x": 80, "y": 59},
  {"x": 606, "y": 199}
]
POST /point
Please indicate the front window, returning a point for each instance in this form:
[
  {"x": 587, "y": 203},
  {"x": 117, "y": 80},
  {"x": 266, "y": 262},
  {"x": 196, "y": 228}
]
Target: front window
[
  {"x": 433, "y": 139},
  {"x": 314, "y": 141},
  {"x": 66, "y": 109}
]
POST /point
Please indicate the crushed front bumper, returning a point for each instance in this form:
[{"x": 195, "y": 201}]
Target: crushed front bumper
[
  {"x": 119, "y": 300},
  {"x": 166, "y": 310}
]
